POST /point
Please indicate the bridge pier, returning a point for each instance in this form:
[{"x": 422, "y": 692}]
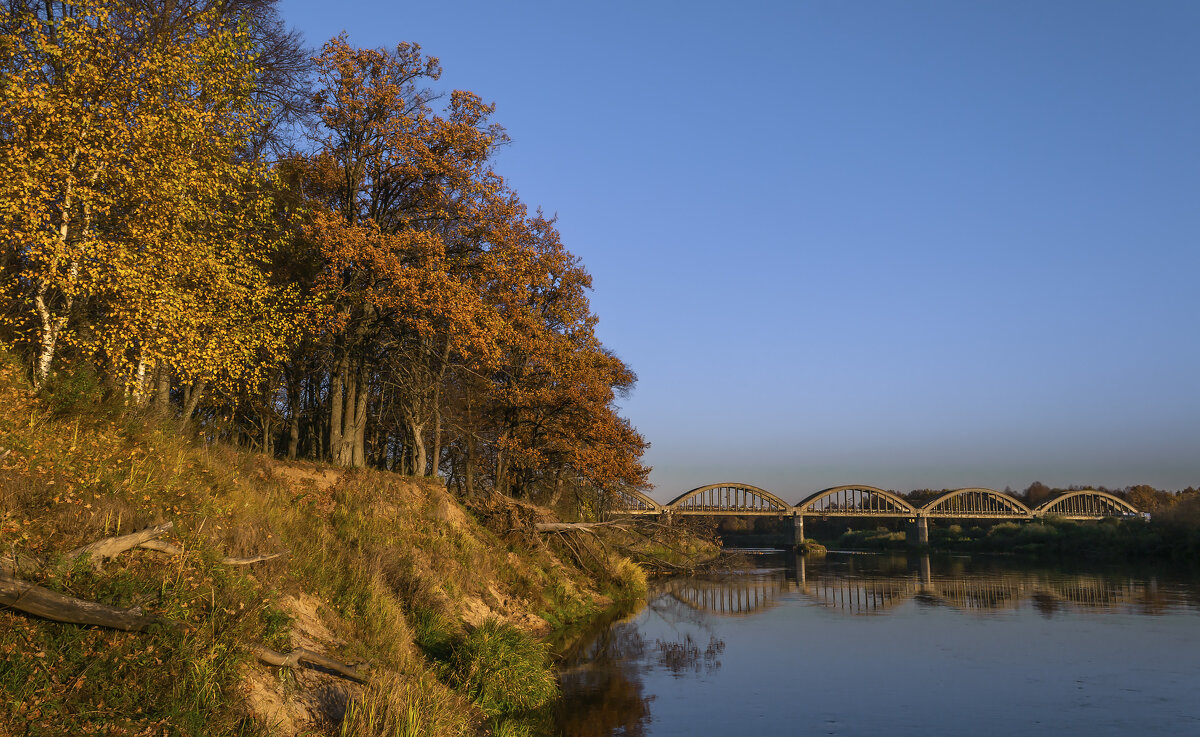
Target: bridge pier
[
  {"x": 917, "y": 533},
  {"x": 795, "y": 534}
]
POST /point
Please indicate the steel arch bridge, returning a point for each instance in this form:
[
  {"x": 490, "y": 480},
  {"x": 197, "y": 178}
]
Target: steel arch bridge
[{"x": 730, "y": 498}]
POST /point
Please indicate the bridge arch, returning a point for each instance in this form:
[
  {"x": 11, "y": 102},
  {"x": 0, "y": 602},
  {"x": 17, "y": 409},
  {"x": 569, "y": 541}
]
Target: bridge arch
[
  {"x": 855, "y": 500},
  {"x": 632, "y": 501},
  {"x": 976, "y": 502},
  {"x": 1085, "y": 504},
  {"x": 728, "y": 497}
]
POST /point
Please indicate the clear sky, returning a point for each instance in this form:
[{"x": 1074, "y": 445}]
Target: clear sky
[{"x": 905, "y": 244}]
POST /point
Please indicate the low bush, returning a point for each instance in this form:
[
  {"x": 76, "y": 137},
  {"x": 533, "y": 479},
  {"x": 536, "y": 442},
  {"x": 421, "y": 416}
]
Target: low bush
[{"x": 502, "y": 669}]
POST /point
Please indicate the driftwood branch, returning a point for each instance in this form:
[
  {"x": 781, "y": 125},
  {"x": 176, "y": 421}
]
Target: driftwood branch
[
  {"x": 252, "y": 559},
  {"x": 172, "y": 549},
  {"x": 100, "y": 551},
  {"x": 300, "y": 655},
  {"x": 40, "y": 601},
  {"x": 111, "y": 547}
]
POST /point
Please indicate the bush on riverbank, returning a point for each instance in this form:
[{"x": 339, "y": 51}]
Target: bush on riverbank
[{"x": 502, "y": 669}]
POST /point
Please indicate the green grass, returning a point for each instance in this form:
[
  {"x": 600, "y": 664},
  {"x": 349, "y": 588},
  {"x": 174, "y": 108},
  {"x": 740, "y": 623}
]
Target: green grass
[{"x": 502, "y": 669}]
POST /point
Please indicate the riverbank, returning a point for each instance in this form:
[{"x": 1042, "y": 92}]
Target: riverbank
[{"x": 437, "y": 609}]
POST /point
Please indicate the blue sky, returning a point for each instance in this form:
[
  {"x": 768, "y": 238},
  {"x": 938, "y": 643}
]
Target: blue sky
[{"x": 919, "y": 244}]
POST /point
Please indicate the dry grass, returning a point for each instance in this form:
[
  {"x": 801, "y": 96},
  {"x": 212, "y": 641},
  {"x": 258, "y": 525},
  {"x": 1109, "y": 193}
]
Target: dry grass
[{"x": 402, "y": 575}]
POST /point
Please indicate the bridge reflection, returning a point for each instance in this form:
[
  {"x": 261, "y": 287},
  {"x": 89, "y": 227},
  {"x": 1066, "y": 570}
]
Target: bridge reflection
[
  {"x": 729, "y": 595},
  {"x": 849, "y": 587}
]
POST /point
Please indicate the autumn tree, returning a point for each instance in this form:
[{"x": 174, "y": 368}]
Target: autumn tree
[
  {"x": 394, "y": 177},
  {"x": 124, "y": 206}
]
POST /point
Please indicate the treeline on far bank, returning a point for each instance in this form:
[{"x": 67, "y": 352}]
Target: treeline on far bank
[{"x": 307, "y": 254}]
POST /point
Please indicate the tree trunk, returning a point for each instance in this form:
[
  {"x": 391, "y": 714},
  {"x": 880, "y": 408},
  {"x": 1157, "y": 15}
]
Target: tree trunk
[
  {"x": 192, "y": 398},
  {"x": 469, "y": 464},
  {"x": 344, "y": 455},
  {"x": 556, "y": 495},
  {"x": 161, "y": 403},
  {"x": 500, "y": 480},
  {"x": 335, "y": 407},
  {"x": 437, "y": 435},
  {"x": 359, "y": 458},
  {"x": 51, "y": 327},
  {"x": 419, "y": 459}
]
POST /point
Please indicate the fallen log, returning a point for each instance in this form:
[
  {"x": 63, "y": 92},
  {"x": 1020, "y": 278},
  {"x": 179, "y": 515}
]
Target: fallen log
[
  {"x": 41, "y": 601},
  {"x": 300, "y": 655}
]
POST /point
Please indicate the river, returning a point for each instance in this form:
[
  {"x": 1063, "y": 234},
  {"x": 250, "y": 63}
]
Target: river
[{"x": 854, "y": 644}]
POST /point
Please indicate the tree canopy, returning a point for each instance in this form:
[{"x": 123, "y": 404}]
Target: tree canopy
[{"x": 313, "y": 256}]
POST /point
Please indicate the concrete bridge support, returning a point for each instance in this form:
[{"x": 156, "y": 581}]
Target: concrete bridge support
[
  {"x": 917, "y": 533},
  {"x": 795, "y": 534}
]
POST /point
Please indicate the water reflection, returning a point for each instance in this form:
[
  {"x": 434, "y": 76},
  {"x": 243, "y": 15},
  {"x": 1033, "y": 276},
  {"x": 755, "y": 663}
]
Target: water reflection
[
  {"x": 613, "y": 683},
  {"x": 601, "y": 673},
  {"x": 860, "y": 584}
]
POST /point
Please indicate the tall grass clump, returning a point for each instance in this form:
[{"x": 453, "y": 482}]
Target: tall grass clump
[
  {"x": 392, "y": 707},
  {"x": 502, "y": 669},
  {"x": 629, "y": 579}
]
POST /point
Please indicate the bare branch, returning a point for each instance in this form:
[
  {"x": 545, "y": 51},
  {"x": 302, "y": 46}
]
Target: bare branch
[{"x": 172, "y": 549}]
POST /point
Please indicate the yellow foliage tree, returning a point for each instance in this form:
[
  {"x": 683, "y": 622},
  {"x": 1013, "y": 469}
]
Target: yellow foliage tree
[{"x": 121, "y": 192}]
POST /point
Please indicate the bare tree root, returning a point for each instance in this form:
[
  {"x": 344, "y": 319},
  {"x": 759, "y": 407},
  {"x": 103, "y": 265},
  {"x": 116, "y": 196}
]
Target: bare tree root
[{"x": 300, "y": 655}]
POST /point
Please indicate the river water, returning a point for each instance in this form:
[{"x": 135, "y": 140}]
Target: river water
[{"x": 854, "y": 644}]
